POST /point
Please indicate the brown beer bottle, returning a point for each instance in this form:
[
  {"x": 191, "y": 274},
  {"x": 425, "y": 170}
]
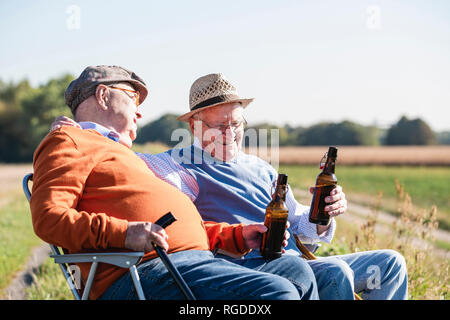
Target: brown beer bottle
[
  {"x": 275, "y": 221},
  {"x": 326, "y": 181}
]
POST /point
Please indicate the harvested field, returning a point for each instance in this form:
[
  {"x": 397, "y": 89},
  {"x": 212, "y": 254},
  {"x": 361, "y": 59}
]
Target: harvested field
[
  {"x": 364, "y": 155},
  {"x": 11, "y": 176}
]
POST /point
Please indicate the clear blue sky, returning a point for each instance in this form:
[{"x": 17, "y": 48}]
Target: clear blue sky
[{"x": 369, "y": 61}]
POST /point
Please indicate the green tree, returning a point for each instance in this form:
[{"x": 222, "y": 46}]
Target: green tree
[
  {"x": 264, "y": 131},
  {"x": 160, "y": 130},
  {"x": 14, "y": 133},
  {"x": 410, "y": 132},
  {"x": 43, "y": 104},
  {"x": 443, "y": 137},
  {"x": 26, "y": 114},
  {"x": 343, "y": 133},
  {"x": 15, "y": 145}
]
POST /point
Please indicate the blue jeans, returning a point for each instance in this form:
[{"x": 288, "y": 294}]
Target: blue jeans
[
  {"x": 292, "y": 268},
  {"x": 210, "y": 278},
  {"x": 378, "y": 274}
]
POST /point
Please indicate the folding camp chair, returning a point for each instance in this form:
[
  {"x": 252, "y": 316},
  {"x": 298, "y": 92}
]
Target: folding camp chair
[{"x": 121, "y": 259}]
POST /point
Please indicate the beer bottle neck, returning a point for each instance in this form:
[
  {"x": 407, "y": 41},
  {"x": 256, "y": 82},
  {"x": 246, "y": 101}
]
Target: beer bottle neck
[
  {"x": 280, "y": 193},
  {"x": 329, "y": 165}
]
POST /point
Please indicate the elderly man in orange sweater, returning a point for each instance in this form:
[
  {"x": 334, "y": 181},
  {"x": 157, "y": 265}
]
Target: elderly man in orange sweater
[{"x": 91, "y": 192}]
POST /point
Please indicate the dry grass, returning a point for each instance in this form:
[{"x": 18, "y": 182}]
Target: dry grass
[
  {"x": 365, "y": 155},
  {"x": 412, "y": 236}
]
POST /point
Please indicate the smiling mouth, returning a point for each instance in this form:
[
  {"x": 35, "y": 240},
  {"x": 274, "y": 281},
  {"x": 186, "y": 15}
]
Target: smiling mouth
[{"x": 228, "y": 144}]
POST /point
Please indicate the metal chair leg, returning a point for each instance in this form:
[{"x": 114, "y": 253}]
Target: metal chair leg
[
  {"x": 137, "y": 283},
  {"x": 90, "y": 280}
]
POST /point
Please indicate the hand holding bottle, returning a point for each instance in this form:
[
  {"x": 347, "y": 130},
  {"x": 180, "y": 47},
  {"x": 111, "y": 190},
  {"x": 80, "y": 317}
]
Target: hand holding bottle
[
  {"x": 253, "y": 234},
  {"x": 337, "y": 201},
  {"x": 275, "y": 220}
]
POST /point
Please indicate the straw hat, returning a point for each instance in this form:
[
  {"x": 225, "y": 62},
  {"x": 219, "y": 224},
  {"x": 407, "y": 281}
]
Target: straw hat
[{"x": 210, "y": 91}]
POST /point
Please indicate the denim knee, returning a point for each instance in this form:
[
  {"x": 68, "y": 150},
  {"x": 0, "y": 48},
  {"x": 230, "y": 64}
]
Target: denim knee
[
  {"x": 395, "y": 258},
  {"x": 280, "y": 289},
  {"x": 396, "y": 261},
  {"x": 302, "y": 276},
  {"x": 339, "y": 283}
]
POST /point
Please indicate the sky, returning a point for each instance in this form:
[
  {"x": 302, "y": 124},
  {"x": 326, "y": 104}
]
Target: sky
[{"x": 367, "y": 61}]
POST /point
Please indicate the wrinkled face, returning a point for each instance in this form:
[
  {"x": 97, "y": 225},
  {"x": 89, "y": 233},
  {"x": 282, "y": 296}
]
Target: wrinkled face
[
  {"x": 220, "y": 130},
  {"x": 122, "y": 111}
]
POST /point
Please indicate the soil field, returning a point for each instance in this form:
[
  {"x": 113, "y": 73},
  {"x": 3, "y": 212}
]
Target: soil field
[
  {"x": 361, "y": 155},
  {"x": 11, "y": 176}
]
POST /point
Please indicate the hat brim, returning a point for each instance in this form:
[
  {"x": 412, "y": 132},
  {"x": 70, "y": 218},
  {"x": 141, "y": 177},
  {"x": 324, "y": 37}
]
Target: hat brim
[{"x": 185, "y": 117}]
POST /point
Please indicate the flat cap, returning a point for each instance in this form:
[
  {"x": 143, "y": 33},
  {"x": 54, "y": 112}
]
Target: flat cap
[{"x": 84, "y": 86}]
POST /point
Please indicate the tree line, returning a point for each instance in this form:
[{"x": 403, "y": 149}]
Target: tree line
[
  {"x": 404, "y": 132},
  {"x": 26, "y": 113}
]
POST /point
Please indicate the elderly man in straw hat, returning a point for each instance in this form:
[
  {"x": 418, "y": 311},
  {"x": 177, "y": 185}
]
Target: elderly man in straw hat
[
  {"x": 91, "y": 192},
  {"x": 228, "y": 185}
]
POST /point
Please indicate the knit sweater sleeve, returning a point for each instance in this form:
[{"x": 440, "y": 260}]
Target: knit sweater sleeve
[
  {"x": 227, "y": 237},
  {"x": 60, "y": 174}
]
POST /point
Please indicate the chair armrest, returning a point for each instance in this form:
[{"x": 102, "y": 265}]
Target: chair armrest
[
  {"x": 312, "y": 246},
  {"x": 120, "y": 259}
]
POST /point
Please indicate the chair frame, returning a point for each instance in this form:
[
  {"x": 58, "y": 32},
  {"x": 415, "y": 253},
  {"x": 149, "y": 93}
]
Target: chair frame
[{"x": 127, "y": 260}]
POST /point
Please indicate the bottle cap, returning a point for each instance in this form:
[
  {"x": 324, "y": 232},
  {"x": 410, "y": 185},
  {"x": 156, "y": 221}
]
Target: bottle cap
[
  {"x": 282, "y": 178},
  {"x": 332, "y": 152}
]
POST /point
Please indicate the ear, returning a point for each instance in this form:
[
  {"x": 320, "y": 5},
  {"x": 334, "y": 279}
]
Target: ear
[
  {"x": 196, "y": 127},
  {"x": 102, "y": 96},
  {"x": 191, "y": 124}
]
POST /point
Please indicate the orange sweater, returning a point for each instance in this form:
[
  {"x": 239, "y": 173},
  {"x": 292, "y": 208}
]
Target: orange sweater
[{"x": 87, "y": 187}]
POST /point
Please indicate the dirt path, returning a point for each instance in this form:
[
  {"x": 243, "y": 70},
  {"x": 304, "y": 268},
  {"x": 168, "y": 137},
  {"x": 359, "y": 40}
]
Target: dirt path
[
  {"x": 11, "y": 176},
  {"x": 25, "y": 278}
]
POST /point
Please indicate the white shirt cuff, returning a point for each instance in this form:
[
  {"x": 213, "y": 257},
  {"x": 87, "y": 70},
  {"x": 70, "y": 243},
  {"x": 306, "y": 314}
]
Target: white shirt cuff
[{"x": 307, "y": 231}]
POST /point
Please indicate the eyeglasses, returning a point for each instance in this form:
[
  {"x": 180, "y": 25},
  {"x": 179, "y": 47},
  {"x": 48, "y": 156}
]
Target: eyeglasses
[
  {"x": 222, "y": 127},
  {"x": 135, "y": 94}
]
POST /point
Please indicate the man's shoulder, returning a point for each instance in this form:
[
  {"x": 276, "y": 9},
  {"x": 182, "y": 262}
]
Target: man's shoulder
[
  {"x": 69, "y": 132},
  {"x": 66, "y": 136}
]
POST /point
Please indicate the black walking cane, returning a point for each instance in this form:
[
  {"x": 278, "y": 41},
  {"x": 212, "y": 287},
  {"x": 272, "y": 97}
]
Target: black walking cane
[{"x": 164, "y": 222}]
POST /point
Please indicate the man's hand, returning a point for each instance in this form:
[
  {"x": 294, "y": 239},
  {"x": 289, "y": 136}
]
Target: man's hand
[
  {"x": 63, "y": 121},
  {"x": 253, "y": 233},
  {"x": 338, "y": 205},
  {"x": 140, "y": 236}
]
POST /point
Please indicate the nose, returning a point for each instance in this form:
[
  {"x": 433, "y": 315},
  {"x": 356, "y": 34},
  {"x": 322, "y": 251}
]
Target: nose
[
  {"x": 225, "y": 127},
  {"x": 138, "y": 115},
  {"x": 227, "y": 135}
]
